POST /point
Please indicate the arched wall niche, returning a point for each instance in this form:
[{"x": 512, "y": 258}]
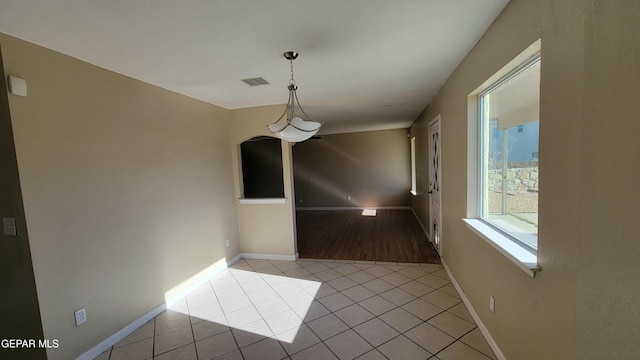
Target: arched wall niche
[{"x": 262, "y": 169}]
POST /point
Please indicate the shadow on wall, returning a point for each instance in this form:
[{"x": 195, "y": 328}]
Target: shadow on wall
[
  {"x": 361, "y": 169},
  {"x": 19, "y": 309}
]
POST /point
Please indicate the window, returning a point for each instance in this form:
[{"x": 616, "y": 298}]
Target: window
[
  {"x": 508, "y": 154},
  {"x": 413, "y": 166},
  {"x": 502, "y": 134}
]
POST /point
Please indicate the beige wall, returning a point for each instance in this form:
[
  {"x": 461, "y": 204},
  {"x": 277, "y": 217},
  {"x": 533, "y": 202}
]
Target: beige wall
[
  {"x": 584, "y": 303},
  {"x": 265, "y": 229},
  {"x": 19, "y": 308},
  {"x": 373, "y": 167},
  {"x": 128, "y": 191},
  {"x": 607, "y": 244}
]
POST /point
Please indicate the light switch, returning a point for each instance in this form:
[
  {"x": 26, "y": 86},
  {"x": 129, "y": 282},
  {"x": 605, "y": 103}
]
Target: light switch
[
  {"x": 17, "y": 86},
  {"x": 9, "y": 225}
]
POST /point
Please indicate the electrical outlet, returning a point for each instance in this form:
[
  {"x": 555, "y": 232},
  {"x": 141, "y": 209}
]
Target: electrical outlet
[
  {"x": 492, "y": 304},
  {"x": 81, "y": 316},
  {"x": 227, "y": 242},
  {"x": 348, "y": 197}
]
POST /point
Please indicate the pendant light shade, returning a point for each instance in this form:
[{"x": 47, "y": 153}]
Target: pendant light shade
[{"x": 291, "y": 126}]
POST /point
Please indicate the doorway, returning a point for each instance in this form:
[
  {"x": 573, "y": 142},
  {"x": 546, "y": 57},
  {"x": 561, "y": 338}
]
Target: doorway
[{"x": 435, "y": 184}]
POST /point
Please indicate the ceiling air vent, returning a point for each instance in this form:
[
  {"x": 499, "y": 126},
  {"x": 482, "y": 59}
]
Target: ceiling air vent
[{"x": 255, "y": 81}]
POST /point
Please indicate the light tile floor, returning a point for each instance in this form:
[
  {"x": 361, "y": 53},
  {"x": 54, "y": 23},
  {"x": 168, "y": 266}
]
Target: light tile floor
[{"x": 308, "y": 309}]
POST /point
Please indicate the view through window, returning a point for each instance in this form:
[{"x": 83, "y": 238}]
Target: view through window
[{"x": 509, "y": 123}]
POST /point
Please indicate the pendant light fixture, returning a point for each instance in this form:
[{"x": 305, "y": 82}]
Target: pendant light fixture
[{"x": 291, "y": 126}]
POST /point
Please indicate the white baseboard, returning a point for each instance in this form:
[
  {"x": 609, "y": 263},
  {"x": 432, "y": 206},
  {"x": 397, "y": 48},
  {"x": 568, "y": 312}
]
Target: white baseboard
[
  {"x": 234, "y": 260},
  {"x": 194, "y": 283},
  {"x": 123, "y": 333},
  {"x": 354, "y": 208},
  {"x": 483, "y": 329},
  {"x": 270, "y": 256},
  {"x": 424, "y": 229}
]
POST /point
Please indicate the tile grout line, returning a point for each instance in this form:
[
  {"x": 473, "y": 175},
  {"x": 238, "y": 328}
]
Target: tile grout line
[
  {"x": 400, "y": 307},
  {"x": 322, "y": 341},
  {"x": 153, "y": 343},
  {"x": 262, "y": 317},
  {"x": 289, "y": 306},
  {"x": 227, "y": 320},
  {"x": 378, "y": 316},
  {"x": 193, "y": 335},
  {"x": 385, "y": 265},
  {"x": 458, "y": 340}
]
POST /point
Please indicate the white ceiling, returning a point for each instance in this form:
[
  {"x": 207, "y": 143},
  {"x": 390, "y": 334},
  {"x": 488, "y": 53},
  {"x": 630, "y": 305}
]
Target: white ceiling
[{"x": 363, "y": 64}]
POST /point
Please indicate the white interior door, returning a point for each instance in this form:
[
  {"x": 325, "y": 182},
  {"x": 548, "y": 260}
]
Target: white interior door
[{"x": 435, "y": 184}]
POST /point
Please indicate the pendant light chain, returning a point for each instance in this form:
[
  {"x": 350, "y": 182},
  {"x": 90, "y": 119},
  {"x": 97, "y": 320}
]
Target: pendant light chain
[{"x": 291, "y": 81}]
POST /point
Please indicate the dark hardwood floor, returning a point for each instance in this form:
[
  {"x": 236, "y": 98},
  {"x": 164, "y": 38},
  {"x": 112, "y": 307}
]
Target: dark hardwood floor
[{"x": 391, "y": 235}]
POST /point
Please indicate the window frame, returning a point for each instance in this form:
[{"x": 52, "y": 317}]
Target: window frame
[
  {"x": 532, "y": 61},
  {"x": 523, "y": 257},
  {"x": 414, "y": 183}
]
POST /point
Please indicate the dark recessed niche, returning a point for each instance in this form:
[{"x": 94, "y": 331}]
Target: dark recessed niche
[{"x": 262, "y": 168}]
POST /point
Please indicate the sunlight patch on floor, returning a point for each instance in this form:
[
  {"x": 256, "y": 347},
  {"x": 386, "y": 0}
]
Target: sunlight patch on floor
[
  {"x": 369, "y": 212},
  {"x": 262, "y": 304}
]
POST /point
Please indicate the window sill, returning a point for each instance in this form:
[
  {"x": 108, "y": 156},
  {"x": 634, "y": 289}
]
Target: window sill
[
  {"x": 524, "y": 259},
  {"x": 265, "y": 201}
]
